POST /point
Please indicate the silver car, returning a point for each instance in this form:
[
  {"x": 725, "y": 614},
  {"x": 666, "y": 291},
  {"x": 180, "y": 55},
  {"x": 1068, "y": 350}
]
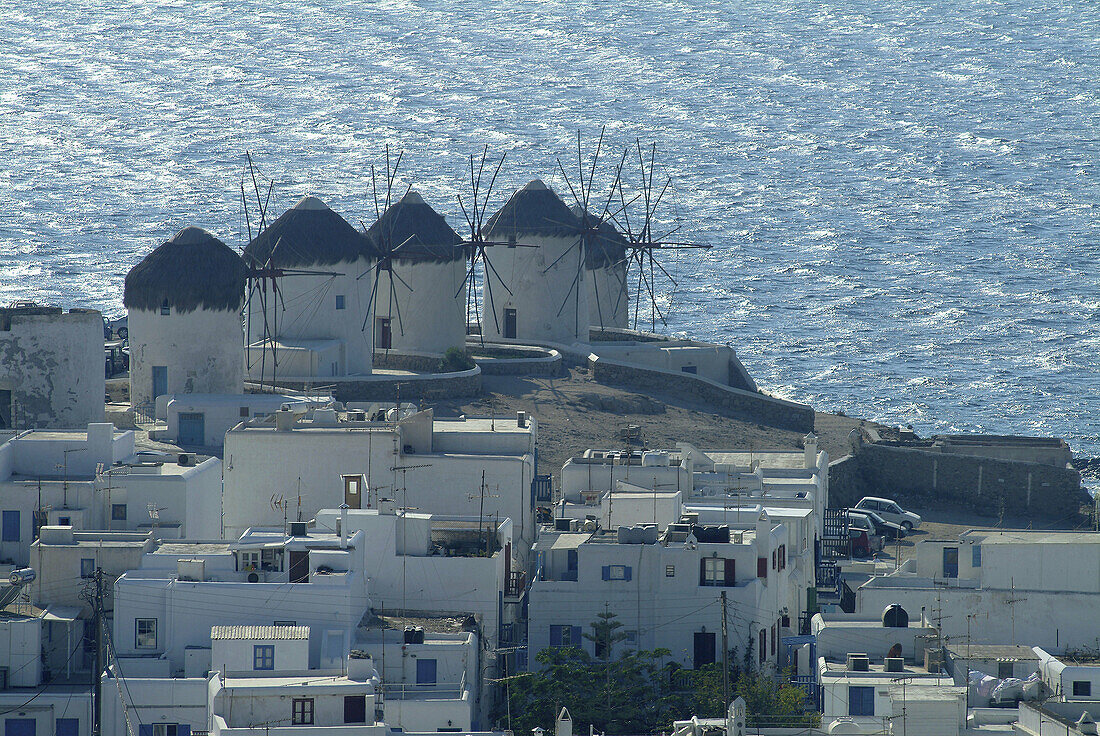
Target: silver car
[{"x": 890, "y": 511}]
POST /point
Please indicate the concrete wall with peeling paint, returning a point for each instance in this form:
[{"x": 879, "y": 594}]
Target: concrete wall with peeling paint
[{"x": 51, "y": 362}]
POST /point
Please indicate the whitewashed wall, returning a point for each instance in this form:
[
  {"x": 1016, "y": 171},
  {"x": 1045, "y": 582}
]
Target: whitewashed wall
[
  {"x": 536, "y": 296},
  {"x": 308, "y": 311},
  {"x": 433, "y": 313},
  {"x": 608, "y": 302},
  {"x": 203, "y": 351}
]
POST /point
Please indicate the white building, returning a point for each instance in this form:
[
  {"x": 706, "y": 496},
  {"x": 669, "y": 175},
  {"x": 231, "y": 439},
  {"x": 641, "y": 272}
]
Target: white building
[
  {"x": 1000, "y": 586},
  {"x": 183, "y": 305},
  {"x": 666, "y": 590},
  {"x": 41, "y": 658},
  {"x": 93, "y": 479},
  {"x": 717, "y": 484},
  {"x": 203, "y": 419},
  {"x": 51, "y": 367},
  {"x": 418, "y": 282},
  {"x": 319, "y": 325},
  {"x": 431, "y": 673},
  {"x": 433, "y": 564},
  {"x": 460, "y": 467},
  {"x": 164, "y": 610},
  {"x": 540, "y": 293},
  {"x": 869, "y": 675},
  {"x": 65, "y": 560},
  {"x": 1069, "y": 679},
  {"x": 605, "y": 265}
]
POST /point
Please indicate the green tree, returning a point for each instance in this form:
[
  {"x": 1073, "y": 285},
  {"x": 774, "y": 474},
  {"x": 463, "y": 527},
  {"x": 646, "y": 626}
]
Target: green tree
[{"x": 639, "y": 691}]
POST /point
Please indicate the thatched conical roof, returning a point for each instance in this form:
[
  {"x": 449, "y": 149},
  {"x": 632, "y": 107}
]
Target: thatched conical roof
[
  {"x": 432, "y": 239},
  {"x": 308, "y": 234},
  {"x": 603, "y": 248},
  {"x": 533, "y": 210},
  {"x": 193, "y": 270}
]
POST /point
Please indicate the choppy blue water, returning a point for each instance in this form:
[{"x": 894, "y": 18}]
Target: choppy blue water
[{"x": 902, "y": 194}]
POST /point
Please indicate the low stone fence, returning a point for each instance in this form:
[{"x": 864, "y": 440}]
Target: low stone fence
[
  {"x": 383, "y": 387},
  {"x": 419, "y": 362},
  {"x": 499, "y": 359},
  {"x": 979, "y": 483},
  {"x": 749, "y": 405}
]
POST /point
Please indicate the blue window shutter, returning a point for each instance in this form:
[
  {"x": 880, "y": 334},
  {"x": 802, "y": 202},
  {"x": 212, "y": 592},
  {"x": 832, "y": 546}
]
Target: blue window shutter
[
  {"x": 11, "y": 526},
  {"x": 555, "y": 636},
  {"x": 68, "y": 727},
  {"x": 607, "y": 572},
  {"x": 145, "y": 730},
  {"x": 575, "y": 639},
  {"x": 425, "y": 672},
  {"x": 628, "y": 574},
  {"x": 183, "y": 729}
]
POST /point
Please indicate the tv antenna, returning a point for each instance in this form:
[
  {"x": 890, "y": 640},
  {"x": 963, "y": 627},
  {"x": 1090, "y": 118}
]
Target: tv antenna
[
  {"x": 481, "y": 510},
  {"x": 279, "y": 503}
]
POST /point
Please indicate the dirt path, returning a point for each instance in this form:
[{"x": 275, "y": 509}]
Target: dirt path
[{"x": 575, "y": 413}]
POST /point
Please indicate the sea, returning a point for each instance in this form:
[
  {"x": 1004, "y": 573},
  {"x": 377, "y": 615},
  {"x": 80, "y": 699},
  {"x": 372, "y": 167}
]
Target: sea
[{"x": 902, "y": 196}]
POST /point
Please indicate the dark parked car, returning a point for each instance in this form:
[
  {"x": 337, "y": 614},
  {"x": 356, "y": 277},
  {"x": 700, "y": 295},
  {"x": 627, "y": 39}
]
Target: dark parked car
[{"x": 885, "y": 529}]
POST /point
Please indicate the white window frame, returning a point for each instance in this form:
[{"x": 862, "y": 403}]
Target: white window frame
[
  {"x": 616, "y": 572},
  {"x": 139, "y": 637},
  {"x": 714, "y": 571}
]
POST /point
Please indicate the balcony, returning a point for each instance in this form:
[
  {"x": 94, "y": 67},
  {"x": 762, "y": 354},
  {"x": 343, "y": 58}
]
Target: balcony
[{"x": 516, "y": 584}]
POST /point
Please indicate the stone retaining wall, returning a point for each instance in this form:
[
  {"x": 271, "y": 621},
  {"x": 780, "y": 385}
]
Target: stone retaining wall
[
  {"x": 755, "y": 407},
  {"x": 385, "y": 388},
  {"x": 422, "y": 363},
  {"x": 978, "y": 483}
]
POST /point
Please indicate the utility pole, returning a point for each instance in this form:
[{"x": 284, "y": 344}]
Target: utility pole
[
  {"x": 97, "y": 681},
  {"x": 725, "y": 657}
]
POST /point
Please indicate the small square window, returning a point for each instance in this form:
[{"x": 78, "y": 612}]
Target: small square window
[
  {"x": 670, "y": 571},
  {"x": 339, "y": 301},
  {"x": 1004, "y": 670},
  {"x": 87, "y": 567},
  {"x": 118, "y": 512},
  {"x": 1082, "y": 689},
  {"x": 630, "y": 636},
  {"x": 64, "y": 521},
  {"x": 263, "y": 656},
  {"x": 618, "y": 572},
  {"x": 244, "y": 412},
  {"x": 146, "y": 633}
]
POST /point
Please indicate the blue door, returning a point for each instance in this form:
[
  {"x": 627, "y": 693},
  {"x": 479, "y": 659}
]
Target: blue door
[
  {"x": 192, "y": 429},
  {"x": 68, "y": 727},
  {"x": 160, "y": 380},
  {"x": 425, "y": 672},
  {"x": 950, "y": 562},
  {"x": 19, "y": 727}
]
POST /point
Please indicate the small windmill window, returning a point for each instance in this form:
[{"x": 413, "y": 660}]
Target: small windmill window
[
  {"x": 339, "y": 301},
  {"x": 165, "y": 308}
]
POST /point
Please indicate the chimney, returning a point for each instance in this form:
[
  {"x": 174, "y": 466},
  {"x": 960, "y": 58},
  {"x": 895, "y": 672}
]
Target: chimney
[
  {"x": 810, "y": 443},
  {"x": 564, "y": 726},
  {"x": 101, "y": 441},
  {"x": 342, "y": 528},
  {"x": 284, "y": 419}
]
